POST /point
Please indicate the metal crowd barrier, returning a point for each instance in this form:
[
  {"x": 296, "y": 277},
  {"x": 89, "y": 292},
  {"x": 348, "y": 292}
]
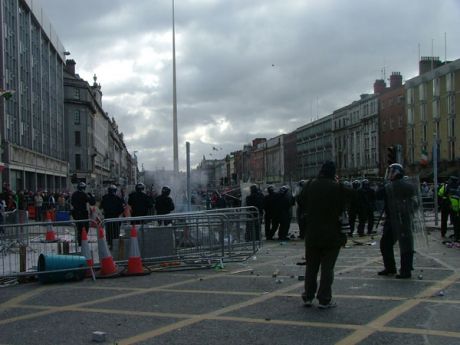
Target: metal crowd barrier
[{"x": 191, "y": 239}]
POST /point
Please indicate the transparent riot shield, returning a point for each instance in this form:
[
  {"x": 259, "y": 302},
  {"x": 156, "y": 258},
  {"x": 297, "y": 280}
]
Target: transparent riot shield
[{"x": 405, "y": 209}]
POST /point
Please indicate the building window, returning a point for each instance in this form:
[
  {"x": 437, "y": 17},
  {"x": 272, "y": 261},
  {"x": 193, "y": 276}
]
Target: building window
[
  {"x": 77, "y": 93},
  {"x": 400, "y": 120},
  {"x": 436, "y": 108},
  {"x": 423, "y": 112},
  {"x": 77, "y": 161},
  {"x": 76, "y": 117},
  {"x": 77, "y": 138},
  {"x": 450, "y": 78},
  {"x": 436, "y": 87},
  {"x": 451, "y": 128},
  {"x": 451, "y": 104}
]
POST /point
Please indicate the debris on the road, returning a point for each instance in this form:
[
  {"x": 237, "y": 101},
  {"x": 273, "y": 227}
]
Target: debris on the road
[{"x": 99, "y": 337}]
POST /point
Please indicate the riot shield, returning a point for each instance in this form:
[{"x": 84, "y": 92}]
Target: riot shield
[{"x": 404, "y": 204}]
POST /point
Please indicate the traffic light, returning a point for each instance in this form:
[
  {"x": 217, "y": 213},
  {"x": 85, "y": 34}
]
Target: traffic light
[{"x": 391, "y": 155}]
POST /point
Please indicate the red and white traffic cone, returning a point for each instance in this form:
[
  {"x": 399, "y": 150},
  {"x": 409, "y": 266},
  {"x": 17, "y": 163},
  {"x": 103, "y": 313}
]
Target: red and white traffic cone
[
  {"x": 108, "y": 266},
  {"x": 85, "y": 250},
  {"x": 135, "y": 266},
  {"x": 50, "y": 234}
]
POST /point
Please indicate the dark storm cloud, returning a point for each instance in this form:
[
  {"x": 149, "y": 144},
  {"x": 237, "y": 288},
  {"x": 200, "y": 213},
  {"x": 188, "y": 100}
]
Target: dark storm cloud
[{"x": 245, "y": 69}]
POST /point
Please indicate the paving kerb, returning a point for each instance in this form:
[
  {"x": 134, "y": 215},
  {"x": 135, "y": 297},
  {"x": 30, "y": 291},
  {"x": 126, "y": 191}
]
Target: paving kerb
[{"x": 206, "y": 311}]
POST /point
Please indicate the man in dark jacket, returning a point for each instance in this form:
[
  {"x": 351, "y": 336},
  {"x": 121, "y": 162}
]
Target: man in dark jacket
[
  {"x": 283, "y": 206},
  {"x": 80, "y": 200},
  {"x": 164, "y": 204},
  {"x": 256, "y": 199},
  {"x": 323, "y": 201},
  {"x": 139, "y": 202},
  {"x": 112, "y": 206},
  {"x": 271, "y": 222}
]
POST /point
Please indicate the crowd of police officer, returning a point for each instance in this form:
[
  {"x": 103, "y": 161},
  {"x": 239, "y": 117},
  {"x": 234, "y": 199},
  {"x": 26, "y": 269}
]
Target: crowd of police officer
[
  {"x": 275, "y": 208},
  {"x": 113, "y": 205}
]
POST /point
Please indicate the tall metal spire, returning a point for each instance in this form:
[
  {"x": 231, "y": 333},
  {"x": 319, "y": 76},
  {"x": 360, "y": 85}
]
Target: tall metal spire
[{"x": 175, "y": 143}]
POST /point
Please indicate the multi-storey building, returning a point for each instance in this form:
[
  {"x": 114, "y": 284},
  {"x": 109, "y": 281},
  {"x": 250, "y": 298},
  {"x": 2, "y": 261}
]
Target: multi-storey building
[
  {"x": 257, "y": 160},
  {"x": 87, "y": 130},
  {"x": 355, "y": 132},
  {"x": 392, "y": 122},
  {"x": 432, "y": 105},
  {"x": 96, "y": 150},
  {"x": 274, "y": 160},
  {"x": 314, "y": 146},
  {"x": 32, "y": 121}
]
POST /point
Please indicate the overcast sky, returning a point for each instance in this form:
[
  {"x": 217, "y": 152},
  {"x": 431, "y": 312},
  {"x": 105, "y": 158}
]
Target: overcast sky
[{"x": 245, "y": 68}]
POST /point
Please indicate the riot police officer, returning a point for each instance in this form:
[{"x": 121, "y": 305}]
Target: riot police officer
[
  {"x": 399, "y": 195},
  {"x": 256, "y": 199},
  {"x": 366, "y": 212},
  {"x": 112, "y": 206},
  {"x": 164, "y": 204},
  {"x": 284, "y": 203},
  {"x": 79, "y": 201},
  {"x": 271, "y": 222},
  {"x": 353, "y": 206},
  {"x": 139, "y": 202}
]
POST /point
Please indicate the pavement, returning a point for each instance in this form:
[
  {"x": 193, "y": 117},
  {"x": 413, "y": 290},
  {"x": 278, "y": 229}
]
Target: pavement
[{"x": 252, "y": 302}]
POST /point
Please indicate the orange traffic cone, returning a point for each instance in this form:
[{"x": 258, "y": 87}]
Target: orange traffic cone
[
  {"x": 135, "y": 266},
  {"x": 108, "y": 266},
  {"x": 50, "y": 234}
]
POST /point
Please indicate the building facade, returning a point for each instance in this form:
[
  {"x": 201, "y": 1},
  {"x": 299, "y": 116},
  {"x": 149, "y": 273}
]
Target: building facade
[
  {"x": 96, "y": 150},
  {"x": 392, "y": 122},
  {"x": 356, "y": 141},
  {"x": 432, "y": 105},
  {"x": 314, "y": 146},
  {"x": 32, "y": 121}
]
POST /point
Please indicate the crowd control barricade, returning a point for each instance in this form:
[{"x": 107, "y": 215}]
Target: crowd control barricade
[
  {"x": 176, "y": 240},
  {"x": 22, "y": 243},
  {"x": 190, "y": 238}
]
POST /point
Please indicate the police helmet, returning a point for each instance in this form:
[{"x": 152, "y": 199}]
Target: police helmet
[
  {"x": 81, "y": 186},
  {"x": 356, "y": 184},
  {"x": 395, "y": 171},
  {"x": 140, "y": 187},
  {"x": 284, "y": 189},
  {"x": 165, "y": 190},
  {"x": 347, "y": 184},
  {"x": 301, "y": 183},
  {"x": 270, "y": 189},
  {"x": 365, "y": 182},
  {"x": 112, "y": 189}
]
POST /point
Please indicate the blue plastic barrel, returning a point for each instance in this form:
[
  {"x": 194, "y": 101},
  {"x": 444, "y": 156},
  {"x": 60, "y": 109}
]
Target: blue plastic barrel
[{"x": 54, "y": 262}]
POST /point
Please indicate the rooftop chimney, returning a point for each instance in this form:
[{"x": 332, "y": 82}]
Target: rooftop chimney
[
  {"x": 428, "y": 63},
  {"x": 395, "y": 80},
  {"x": 379, "y": 86},
  {"x": 70, "y": 66}
]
